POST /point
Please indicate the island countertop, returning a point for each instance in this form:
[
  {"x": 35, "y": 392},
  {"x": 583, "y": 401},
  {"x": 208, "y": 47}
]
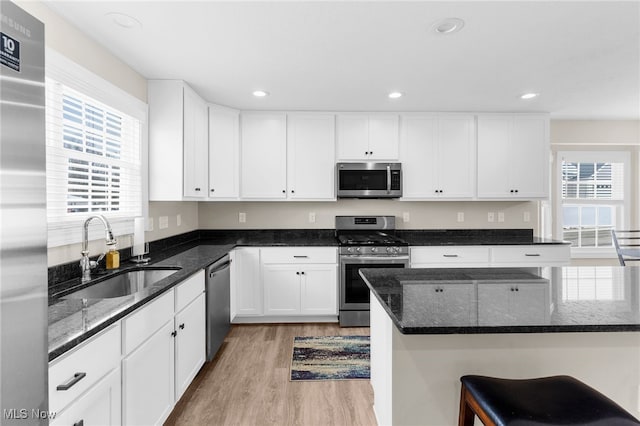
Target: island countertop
[{"x": 508, "y": 300}]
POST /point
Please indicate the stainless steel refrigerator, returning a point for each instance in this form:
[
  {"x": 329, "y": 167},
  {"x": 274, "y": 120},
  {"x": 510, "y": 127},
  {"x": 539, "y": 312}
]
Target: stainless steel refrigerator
[{"x": 23, "y": 223}]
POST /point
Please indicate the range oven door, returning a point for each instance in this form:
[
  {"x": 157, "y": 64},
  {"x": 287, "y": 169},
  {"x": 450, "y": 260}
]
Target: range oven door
[{"x": 354, "y": 293}]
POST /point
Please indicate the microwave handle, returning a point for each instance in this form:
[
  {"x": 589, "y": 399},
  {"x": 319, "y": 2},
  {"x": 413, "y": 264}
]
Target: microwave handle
[{"x": 388, "y": 179}]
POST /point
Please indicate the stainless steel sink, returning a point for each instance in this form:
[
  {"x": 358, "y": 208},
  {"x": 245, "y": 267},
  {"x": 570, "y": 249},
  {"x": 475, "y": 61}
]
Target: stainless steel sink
[{"x": 123, "y": 284}]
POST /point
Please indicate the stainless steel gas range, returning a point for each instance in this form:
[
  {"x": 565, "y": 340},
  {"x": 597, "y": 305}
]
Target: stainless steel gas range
[{"x": 365, "y": 242}]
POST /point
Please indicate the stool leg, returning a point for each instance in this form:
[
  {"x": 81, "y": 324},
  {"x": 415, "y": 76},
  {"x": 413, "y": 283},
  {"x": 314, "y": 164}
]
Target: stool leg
[{"x": 466, "y": 415}]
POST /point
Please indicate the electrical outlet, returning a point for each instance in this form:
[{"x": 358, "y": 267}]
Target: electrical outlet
[
  {"x": 150, "y": 224},
  {"x": 491, "y": 217},
  {"x": 406, "y": 217},
  {"x": 163, "y": 222},
  {"x": 312, "y": 217},
  {"x": 500, "y": 216},
  {"x": 178, "y": 219},
  {"x": 242, "y": 217},
  {"x": 526, "y": 217},
  {"x": 460, "y": 216}
]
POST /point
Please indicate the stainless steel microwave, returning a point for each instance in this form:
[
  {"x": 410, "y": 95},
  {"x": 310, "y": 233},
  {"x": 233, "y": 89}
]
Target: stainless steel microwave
[{"x": 369, "y": 180}]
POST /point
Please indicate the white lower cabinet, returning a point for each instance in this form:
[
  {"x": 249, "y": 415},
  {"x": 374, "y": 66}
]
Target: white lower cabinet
[
  {"x": 190, "y": 343},
  {"x": 293, "y": 282},
  {"x": 157, "y": 371},
  {"x": 300, "y": 289},
  {"x": 508, "y": 304},
  {"x": 99, "y": 406},
  {"x": 447, "y": 304},
  {"x": 148, "y": 379}
]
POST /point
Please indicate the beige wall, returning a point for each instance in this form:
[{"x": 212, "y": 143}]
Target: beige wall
[
  {"x": 188, "y": 211},
  {"x": 423, "y": 215}
]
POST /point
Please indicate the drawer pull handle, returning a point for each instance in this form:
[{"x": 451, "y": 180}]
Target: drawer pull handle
[
  {"x": 300, "y": 257},
  {"x": 532, "y": 254},
  {"x": 80, "y": 423},
  {"x": 75, "y": 379},
  {"x": 450, "y": 255}
]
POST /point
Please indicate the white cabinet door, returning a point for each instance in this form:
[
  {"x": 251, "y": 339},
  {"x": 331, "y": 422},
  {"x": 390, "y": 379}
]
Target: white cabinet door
[
  {"x": 224, "y": 155},
  {"x": 190, "y": 343},
  {"x": 281, "y": 289},
  {"x": 352, "y": 136},
  {"x": 418, "y": 153},
  {"x": 438, "y": 156},
  {"x": 264, "y": 156},
  {"x": 383, "y": 137},
  {"x": 456, "y": 156},
  {"x": 367, "y": 137},
  {"x": 196, "y": 149},
  {"x": 319, "y": 289},
  {"x": 311, "y": 156},
  {"x": 148, "y": 380},
  {"x": 99, "y": 406},
  {"x": 513, "y": 156},
  {"x": 246, "y": 282},
  {"x": 509, "y": 304},
  {"x": 445, "y": 304},
  {"x": 529, "y": 156}
]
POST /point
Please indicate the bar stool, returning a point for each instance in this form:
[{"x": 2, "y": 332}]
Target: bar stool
[{"x": 557, "y": 400}]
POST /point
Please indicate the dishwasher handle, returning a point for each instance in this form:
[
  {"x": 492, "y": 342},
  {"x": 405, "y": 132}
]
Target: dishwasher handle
[{"x": 219, "y": 268}]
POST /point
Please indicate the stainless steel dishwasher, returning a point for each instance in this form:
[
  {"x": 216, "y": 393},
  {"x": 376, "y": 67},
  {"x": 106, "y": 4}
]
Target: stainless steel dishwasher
[{"x": 218, "y": 305}]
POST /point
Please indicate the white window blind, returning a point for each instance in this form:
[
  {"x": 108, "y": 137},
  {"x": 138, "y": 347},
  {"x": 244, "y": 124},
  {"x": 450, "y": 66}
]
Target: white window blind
[{"x": 94, "y": 154}]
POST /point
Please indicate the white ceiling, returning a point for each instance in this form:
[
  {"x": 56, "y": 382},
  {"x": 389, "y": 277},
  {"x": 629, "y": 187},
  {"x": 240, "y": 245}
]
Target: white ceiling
[{"x": 582, "y": 57}]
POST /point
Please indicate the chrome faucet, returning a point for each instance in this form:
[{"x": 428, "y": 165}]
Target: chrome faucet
[{"x": 87, "y": 265}]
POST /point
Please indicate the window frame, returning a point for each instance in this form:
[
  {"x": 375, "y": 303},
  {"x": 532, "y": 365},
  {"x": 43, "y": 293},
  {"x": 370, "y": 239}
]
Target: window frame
[
  {"x": 74, "y": 76},
  {"x": 623, "y": 216}
]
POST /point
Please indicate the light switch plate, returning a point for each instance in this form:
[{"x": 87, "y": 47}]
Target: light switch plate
[
  {"x": 312, "y": 217},
  {"x": 500, "y": 216},
  {"x": 406, "y": 217},
  {"x": 526, "y": 217},
  {"x": 491, "y": 217},
  {"x": 242, "y": 217},
  {"x": 460, "y": 217},
  {"x": 178, "y": 219},
  {"x": 150, "y": 224}
]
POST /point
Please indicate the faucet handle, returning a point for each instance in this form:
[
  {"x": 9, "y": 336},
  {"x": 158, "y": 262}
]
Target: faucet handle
[{"x": 94, "y": 263}]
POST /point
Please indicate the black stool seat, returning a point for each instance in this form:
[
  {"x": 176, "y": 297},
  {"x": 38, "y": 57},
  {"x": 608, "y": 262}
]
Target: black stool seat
[{"x": 557, "y": 400}]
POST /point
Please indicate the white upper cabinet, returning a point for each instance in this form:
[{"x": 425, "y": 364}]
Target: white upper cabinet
[
  {"x": 438, "y": 156},
  {"x": 513, "y": 156},
  {"x": 196, "y": 145},
  {"x": 311, "y": 156},
  {"x": 367, "y": 137},
  {"x": 177, "y": 141},
  {"x": 263, "y": 156},
  {"x": 224, "y": 155}
]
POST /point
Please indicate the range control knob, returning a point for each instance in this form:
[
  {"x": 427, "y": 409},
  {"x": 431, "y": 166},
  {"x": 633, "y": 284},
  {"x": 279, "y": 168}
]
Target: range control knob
[
  {"x": 396, "y": 249},
  {"x": 349, "y": 249},
  {"x": 358, "y": 249},
  {"x": 389, "y": 249},
  {"x": 373, "y": 249}
]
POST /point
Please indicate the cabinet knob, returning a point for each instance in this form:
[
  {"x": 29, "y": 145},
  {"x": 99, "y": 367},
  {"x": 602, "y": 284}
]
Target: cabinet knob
[
  {"x": 366, "y": 153},
  {"x": 181, "y": 326},
  {"x": 284, "y": 191},
  {"x": 511, "y": 191},
  {"x": 516, "y": 190},
  {"x": 293, "y": 192},
  {"x": 174, "y": 333},
  {"x": 197, "y": 189},
  {"x": 302, "y": 273},
  {"x": 370, "y": 152},
  {"x": 212, "y": 190},
  {"x": 297, "y": 273}
]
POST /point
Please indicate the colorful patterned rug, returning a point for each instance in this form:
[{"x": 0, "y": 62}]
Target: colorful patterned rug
[{"x": 330, "y": 358}]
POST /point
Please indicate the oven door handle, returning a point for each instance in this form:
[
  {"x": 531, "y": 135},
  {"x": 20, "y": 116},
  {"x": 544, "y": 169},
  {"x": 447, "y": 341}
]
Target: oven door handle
[
  {"x": 388, "y": 179},
  {"x": 379, "y": 259}
]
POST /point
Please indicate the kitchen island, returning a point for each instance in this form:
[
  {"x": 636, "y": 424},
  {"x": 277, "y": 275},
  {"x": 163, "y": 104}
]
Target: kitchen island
[{"x": 429, "y": 327}]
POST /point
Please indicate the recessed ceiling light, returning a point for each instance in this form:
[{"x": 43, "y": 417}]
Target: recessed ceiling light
[
  {"x": 123, "y": 20},
  {"x": 529, "y": 95},
  {"x": 448, "y": 26},
  {"x": 395, "y": 95},
  {"x": 260, "y": 94}
]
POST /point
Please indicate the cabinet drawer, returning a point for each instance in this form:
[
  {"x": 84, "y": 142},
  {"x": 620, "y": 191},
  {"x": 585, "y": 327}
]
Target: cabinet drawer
[
  {"x": 189, "y": 289},
  {"x": 293, "y": 255},
  {"x": 145, "y": 321},
  {"x": 83, "y": 367},
  {"x": 450, "y": 255},
  {"x": 538, "y": 255}
]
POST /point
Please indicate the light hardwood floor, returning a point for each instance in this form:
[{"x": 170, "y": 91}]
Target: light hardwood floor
[{"x": 248, "y": 384}]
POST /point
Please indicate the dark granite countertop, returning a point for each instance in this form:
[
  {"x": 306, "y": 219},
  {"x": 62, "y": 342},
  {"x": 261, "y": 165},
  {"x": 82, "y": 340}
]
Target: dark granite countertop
[
  {"x": 472, "y": 237},
  {"x": 71, "y": 322},
  {"x": 509, "y": 300}
]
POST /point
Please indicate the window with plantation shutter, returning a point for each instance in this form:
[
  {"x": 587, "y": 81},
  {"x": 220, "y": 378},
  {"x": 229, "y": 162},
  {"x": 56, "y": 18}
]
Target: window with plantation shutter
[
  {"x": 593, "y": 188},
  {"x": 94, "y": 156}
]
